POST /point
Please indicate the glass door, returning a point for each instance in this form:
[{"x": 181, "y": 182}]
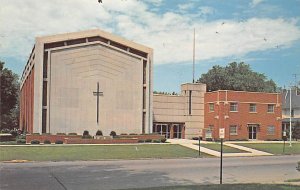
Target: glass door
[{"x": 252, "y": 132}]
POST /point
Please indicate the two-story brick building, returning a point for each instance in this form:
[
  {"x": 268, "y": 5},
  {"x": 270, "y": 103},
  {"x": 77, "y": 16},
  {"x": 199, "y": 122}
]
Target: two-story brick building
[{"x": 244, "y": 115}]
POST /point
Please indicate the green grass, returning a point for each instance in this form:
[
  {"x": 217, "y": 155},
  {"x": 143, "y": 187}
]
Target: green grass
[
  {"x": 228, "y": 187},
  {"x": 8, "y": 143},
  {"x": 98, "y": 152},
  {"x": 226, "y": 149},
  {"x": 274, "y": 148}
]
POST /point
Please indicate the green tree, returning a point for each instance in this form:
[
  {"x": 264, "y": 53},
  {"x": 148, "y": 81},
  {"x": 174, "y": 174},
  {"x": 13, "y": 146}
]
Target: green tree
[
  {"x": 9, "y": 93},
  {"x": 236, "y": 76}
]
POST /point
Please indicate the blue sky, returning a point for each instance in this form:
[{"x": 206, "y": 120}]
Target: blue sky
[{"x": 262, "y": 33}]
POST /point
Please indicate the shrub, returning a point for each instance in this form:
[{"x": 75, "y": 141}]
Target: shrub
[
  {"x": 4, "y": 130},
  {"x": 87, "y": 137},
  {"x": 35, "y": 142},
  {"x": 14, "y": 133},
  {"x": 148, "y": 140},
  {"x": 85, "y": 133},
  {"x": 163, "y": 140},
  {"x": 141, "y": 141},
  {"x": 46, "y": 133},
  {"x": 59, "y": 142},
  {"x": 195, "y": 138},
  {"x": 22, "y": 137},
  {"x": 60, "y": 133},
  {"x": 99, "y": 133},
  {"x": 35, "y": 133},
  {"x": 156, "y": 141},
  {"x": 47, "y": 142},
  {"x": 123, "y": 134},
  {"x": 113, "y": 133},
  {"x": 72, "y": 134},
  {"x": 132, "y": 134},
  {"x": 21, "y": 141}
]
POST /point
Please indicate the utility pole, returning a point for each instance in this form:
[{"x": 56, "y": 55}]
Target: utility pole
[
  {"x": 290, "y": 116},
  {"x": 194, "y": 58}
]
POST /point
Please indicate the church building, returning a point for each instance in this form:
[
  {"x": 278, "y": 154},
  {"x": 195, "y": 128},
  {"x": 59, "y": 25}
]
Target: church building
[{"x": 90, "y": 80}]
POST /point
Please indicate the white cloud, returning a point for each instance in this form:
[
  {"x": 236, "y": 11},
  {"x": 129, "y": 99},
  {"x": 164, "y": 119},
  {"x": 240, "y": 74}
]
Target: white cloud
[
  {"x": 169, "y": 34},
  {"x": 206, "y": 10},
  {"x": 186, "y": 6},
  {"x": 255, "y": 2}
]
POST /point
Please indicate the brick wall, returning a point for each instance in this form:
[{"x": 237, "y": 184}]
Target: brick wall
[
  {"x": 51, "y": 138},
  {"x": 223, "y": 117},
  {"x": 100, "y": 141}
]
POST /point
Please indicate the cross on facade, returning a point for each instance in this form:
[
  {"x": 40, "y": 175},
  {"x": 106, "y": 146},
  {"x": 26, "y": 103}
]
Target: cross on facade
[{"x": 98, "y": 93}]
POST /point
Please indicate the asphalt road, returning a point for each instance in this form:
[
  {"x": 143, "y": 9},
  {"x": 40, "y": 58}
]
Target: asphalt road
[{"x": 128, "y": 174}]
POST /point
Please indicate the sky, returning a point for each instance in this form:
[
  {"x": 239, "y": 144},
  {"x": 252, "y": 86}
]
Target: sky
[{"x": 262, "y": 33}]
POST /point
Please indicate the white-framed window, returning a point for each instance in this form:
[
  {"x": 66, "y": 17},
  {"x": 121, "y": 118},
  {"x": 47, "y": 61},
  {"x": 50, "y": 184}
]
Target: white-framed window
[
  {"x": 211, "y": 107},
  {"x": 252, "y": 108},
  {"x": 271, "y": 108},
  {"x": 233, "y": 106},
  {"x": 271, "y": 130},
  {"x": 233, "y": 129}
]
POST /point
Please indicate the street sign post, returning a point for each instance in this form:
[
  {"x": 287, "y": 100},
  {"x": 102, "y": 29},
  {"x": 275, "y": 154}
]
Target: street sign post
[
  {"x": 221, "y": 136},
  {"x": 284, "y": 139}
]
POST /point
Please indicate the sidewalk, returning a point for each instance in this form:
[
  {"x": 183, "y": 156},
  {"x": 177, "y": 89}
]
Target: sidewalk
[{"x": 191, "y": 144}]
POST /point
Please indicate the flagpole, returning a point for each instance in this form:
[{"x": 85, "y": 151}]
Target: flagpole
[{"x": 290, "y": 116}]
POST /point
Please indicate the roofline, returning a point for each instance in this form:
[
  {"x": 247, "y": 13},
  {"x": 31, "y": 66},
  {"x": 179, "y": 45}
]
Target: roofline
[
  {"x": 245, "y": 92},
  {"x": 91, "y": 33}
]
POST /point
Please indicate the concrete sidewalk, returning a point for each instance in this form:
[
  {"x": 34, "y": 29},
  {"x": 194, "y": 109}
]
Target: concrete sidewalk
[{"x": 191, "y": 144}]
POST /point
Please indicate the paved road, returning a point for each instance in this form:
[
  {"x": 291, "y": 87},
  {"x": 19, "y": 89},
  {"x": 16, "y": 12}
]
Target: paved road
[{"x": 145, "y": 173}]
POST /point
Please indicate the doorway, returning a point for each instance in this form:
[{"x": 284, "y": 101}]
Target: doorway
[{"x": 252, "y": 129}]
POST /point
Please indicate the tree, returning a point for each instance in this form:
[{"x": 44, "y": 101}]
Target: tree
[
  {"x": 9, "y": 93},
  {"x": 296, "y": 131},
  {"x": 236, "y": 76}
]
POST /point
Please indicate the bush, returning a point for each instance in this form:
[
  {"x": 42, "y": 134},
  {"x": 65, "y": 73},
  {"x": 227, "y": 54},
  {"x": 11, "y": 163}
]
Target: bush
[
  {"x": 99, "y": 133},
  {"x": 5, "y": 130},
  {"x": 195, "y": 138},
  {"x": 21, "y": 141},
  {"x": 60, "y": 133},
  {"x": 14, "y": 133},
  {"x": 35, "y": 133},
  {"x": 85, "y": 133},
  {"x": 47, "y": 142},
  {"x": 148, "y": 140},
  {"x": 72, "y": 134},
  {"x": 22, "y": 137},
  {"x": 123, "y": 134},
  {"x": 163, "y": 140},
  {"x": 132, "y": 134},
  {"x": 87, "y": 137},
  {"x": 156, "y": 141},
  {"x": 141, "y": 141},
  {"x": 113, "y": 133},
  {"x": 46, "y": 133},
  {"x": 59, "y": 142},
  {"x": 35, "y": 142}
]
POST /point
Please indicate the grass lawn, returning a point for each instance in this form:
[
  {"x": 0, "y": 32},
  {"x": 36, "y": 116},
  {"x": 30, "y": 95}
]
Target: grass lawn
[
  {"x": 274, "y": 148},
  {"x": 228, "y": 187},
  {"x": 95, "y": 152},
  {"x": 226, "y": 149}
]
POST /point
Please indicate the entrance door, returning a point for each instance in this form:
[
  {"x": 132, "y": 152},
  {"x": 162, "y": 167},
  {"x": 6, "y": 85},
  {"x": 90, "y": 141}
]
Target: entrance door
[
  {"x": 162, "y": 129},
  {"x": 252, "y": 132},
  {"x": 177, "y": 130}
]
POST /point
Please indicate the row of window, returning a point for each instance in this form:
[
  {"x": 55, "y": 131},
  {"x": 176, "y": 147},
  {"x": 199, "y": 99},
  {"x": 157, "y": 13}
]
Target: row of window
[
  {"x": 234, "y": 107},
  {"x": 233, "y": 129}
]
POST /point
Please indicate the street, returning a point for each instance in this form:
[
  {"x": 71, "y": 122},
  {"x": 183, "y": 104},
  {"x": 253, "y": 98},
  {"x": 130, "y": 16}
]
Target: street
[{"x": 128, "y": 174}]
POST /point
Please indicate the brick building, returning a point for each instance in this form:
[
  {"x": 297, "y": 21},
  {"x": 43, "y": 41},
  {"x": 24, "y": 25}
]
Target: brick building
[{"x": 244, "y": 115}]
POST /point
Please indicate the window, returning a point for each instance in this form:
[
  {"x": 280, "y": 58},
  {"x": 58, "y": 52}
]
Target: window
[
  {"x": 252, "y": 108},
  {"x": 271, "y": 108},
  {"x": 271, "y": 130},
  {"x": 234, "y": 106},
  {"x": 233, "y": 129},
  {"x": 292, "y": 113},
  {"x": 211, "y": 107}
]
